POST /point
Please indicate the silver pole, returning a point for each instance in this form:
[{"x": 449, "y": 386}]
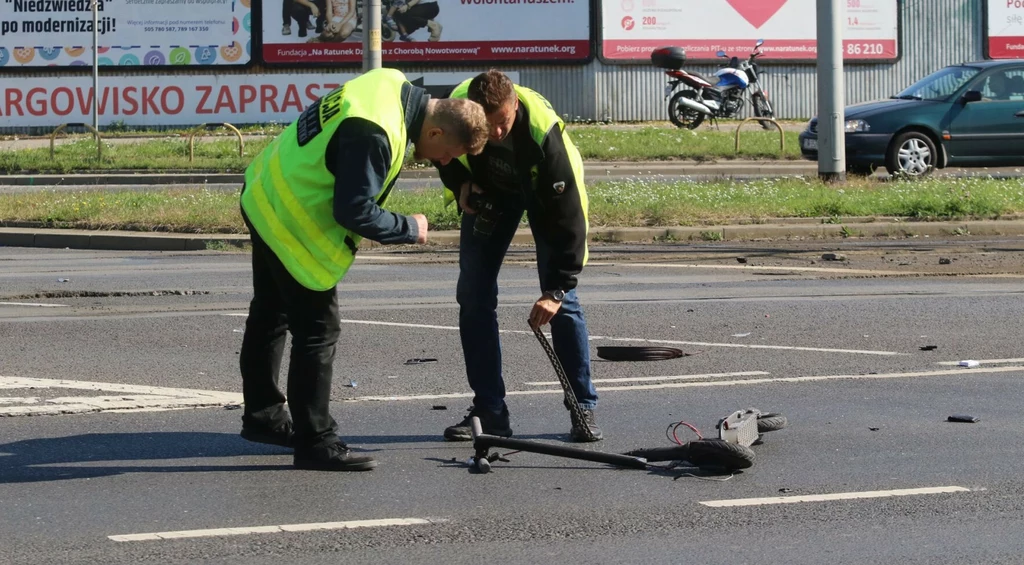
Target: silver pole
[
  {"x": 831, "y": 100},
  {"x": 371, "y": 35},
  {"x": 95, "y": 65}
]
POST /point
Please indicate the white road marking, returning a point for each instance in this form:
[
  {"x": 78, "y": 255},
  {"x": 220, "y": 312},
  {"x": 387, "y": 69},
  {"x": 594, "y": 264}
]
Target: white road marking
[
  {"x": 666, "y": 378},
  {"x": 761, "y": 268},
  {"x": 816, "y": 378},
  {"x": 18, "y": 400},
  {"x": 833, "y": 496},
  {"x": 33, "y": 304},
  {"x": 748, "y": 346},
  {"x": 126, "y": 398},
  {"x": 984, "y": 361},
  {"x": 631, "y": 339},
  {"x": 217, "y": 532}
]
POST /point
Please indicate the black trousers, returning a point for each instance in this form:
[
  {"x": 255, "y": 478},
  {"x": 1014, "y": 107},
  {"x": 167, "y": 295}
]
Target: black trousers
[
  {"x": 293, "y": 10},
  {"x": 281, "y": 305}
]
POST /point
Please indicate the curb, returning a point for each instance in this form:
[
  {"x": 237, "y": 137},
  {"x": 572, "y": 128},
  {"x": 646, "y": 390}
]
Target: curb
[
  {"x": 887, "y": 228},
  {"x": 592, "y": 170}
]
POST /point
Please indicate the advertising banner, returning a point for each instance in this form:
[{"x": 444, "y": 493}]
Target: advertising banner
[
  {"x": 428, "y": 31},
  {"x": 1005, "y": 29},
  {"x": 180, "y": 100},
  {"x": 42, "y": 33},
  {"x": 631, "y": 29}
]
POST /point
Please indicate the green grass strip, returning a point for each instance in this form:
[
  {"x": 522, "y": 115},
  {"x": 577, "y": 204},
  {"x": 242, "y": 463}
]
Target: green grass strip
[
  {"x": 220, "y": 154},
  {"x": 627, "y": 203}
]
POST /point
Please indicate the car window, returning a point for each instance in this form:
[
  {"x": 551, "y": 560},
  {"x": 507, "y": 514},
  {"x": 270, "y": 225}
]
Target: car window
[
  {"x": 941, "y": 84},
  {"x": 1002, "y": 85}
]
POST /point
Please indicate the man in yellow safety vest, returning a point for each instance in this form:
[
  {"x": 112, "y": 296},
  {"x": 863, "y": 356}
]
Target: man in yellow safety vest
[
  {"x": 529, "y": 165},
  {"x": 308, "y": 200}
]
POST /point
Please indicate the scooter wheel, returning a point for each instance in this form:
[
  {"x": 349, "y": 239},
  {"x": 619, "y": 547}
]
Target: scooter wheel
[
  {"x": 771, "y": 421},
  {"x": 719, "y": 454},
  {"x": 483, "y": 465}
]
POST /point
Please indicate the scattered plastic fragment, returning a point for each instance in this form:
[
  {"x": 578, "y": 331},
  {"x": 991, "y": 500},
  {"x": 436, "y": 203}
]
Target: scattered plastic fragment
[
  {"x": 420, "y": 361},
  {"x": 438, "y": 407},
  {"x": 352, "y": 384},
  {"x": 833, "y": 257},
  {"x": 741, "y": 335},
  {"x": 63, "y": 280},
  {"x": 944, "y": 261},
  {"x": 741, "y": 259},
  {"x": 963, "y": 418},
  {"x": 929, "y": 347},
  {"x": 969, "y": 363}
]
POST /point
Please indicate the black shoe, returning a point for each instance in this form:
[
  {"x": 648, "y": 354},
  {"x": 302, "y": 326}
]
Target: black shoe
[
  {"x": 578, "y": 434},
  {"x": 332, "y": 457},
  {"x": 263, "y": 433},
  {"x": 492, "y": 424}
]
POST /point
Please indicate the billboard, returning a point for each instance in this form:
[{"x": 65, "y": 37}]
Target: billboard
[
  {"x": 57, "y": 33},
  {"x": 180, "y": 100},
  {"x": 1004, "y": 29},
  {"x": 631, "y": 29},
  {"x": 428, "y": 31}
]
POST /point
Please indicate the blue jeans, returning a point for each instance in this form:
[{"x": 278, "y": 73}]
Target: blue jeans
[{"x": 480, "y": 259}]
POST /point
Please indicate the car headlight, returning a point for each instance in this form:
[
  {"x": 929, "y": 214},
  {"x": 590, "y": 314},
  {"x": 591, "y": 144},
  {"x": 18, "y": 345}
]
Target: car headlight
[{"x": 857, "y": 126}]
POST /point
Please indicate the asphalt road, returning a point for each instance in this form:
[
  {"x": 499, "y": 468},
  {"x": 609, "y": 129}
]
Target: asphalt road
[{"x": 833, "y": 346}]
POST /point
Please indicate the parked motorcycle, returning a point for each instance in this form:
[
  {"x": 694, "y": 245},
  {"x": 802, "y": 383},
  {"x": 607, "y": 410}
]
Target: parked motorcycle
[{"x": 721, "y": 96}]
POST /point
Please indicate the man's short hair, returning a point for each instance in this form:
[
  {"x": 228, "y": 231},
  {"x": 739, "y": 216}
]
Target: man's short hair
[
  {"x": 464, "y": 120},
  {"x": 492, "y": 90}
]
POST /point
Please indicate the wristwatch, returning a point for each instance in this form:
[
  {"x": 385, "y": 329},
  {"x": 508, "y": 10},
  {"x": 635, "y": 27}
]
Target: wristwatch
[{"x": 556, "y": 295}]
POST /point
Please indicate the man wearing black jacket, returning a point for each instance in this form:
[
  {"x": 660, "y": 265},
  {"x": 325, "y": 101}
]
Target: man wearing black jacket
[
  {"x": 309, "y": 198},
  {"x": 528, "y": 165}
]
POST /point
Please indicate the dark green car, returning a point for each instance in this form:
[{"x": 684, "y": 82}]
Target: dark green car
[{"x": 969, "y": 115}]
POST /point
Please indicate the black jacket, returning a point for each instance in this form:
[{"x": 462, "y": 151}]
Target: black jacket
[{"x": 553, "y": 199}]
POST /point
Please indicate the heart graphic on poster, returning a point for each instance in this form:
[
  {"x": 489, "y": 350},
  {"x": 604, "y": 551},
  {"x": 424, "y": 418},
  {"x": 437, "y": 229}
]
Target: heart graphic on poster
[{"x": 757, "y": 12}]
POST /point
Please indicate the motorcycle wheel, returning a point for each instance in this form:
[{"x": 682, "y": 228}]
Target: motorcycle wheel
[
  {"x": 763, "y": 109},
  {"x": 680, "y": 115}
]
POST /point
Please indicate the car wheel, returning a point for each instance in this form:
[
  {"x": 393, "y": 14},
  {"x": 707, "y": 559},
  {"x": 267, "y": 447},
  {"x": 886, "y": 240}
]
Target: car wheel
[{"x": 911, "y": 155}]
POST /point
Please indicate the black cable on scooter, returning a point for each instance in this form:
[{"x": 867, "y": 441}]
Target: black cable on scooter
[{"x": 575, "y": 412}]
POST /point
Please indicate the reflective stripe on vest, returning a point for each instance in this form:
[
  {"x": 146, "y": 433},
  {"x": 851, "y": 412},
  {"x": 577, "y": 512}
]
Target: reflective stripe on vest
[{"x": 289, "y": 194}]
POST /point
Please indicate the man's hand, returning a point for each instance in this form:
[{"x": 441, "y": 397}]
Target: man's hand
[
  {"x": 421, "y": 223},
  {"x": 468, "y": 187},
  {"x": 543, "y": 310},
  {"x": 315, "y": 11}
]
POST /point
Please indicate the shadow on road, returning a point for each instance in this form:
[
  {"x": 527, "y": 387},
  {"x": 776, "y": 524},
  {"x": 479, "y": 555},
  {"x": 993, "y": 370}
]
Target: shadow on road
[{"x": 100, "y": 455}]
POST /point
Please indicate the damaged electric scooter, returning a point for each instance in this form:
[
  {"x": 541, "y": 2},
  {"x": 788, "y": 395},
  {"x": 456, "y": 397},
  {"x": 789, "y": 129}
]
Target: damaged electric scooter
[{"x": 731, "y": 451}]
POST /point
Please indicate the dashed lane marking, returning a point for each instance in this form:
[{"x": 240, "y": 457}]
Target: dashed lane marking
[
  {"x": 626, "y": 339},
  {"x": 665, "y": 378},
  {"x": 737, "y": 382},
  {"x": 984, "y": 362},
  {"x": 219, "y": 532},
  {"x": 126, "y": 398},
  {"x": 829, "y": 497}
]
